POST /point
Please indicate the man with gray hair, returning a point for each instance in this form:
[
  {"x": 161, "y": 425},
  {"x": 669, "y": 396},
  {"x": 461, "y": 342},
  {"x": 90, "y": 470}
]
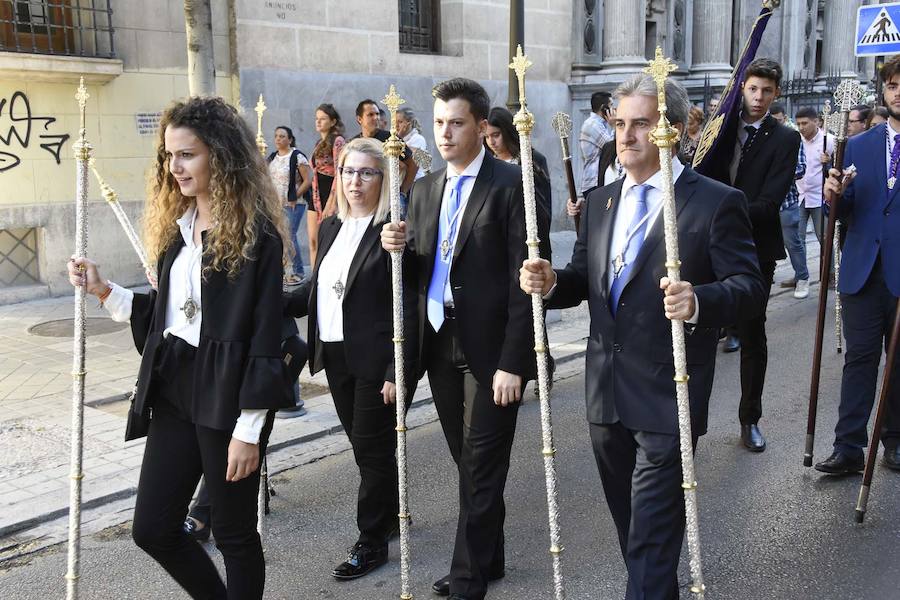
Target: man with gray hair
[{"x": 618, "y": 267}]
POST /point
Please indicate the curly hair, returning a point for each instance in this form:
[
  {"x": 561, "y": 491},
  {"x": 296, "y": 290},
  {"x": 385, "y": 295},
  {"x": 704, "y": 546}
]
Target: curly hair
[{"x": 243, "y": 202}]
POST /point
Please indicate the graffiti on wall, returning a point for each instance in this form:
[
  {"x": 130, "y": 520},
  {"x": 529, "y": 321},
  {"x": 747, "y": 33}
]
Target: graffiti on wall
[{"x": 19, "y": 136}]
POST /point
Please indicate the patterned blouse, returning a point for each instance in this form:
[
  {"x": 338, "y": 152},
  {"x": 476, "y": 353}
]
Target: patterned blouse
[{"x": 325, "y": 166}]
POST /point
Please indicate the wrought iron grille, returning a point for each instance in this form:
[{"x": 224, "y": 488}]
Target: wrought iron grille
[
  {"x": 18, "y": 257},
  {"x": 419, "y": 26},
  {"x": 62, "y": 27}
]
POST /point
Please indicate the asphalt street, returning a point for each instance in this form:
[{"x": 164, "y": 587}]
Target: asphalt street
[{"x": 770, "y": 528}]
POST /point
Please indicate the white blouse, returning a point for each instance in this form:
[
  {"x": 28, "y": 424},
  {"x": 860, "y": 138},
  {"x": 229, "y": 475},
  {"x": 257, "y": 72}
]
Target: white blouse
[
  {"x": 184, "y": 283},
  {"x": 332, "y": 280}
]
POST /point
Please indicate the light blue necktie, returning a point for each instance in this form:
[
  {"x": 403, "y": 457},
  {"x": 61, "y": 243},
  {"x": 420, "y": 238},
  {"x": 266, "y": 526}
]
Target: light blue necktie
[
  {"x": 447, "y": 225},
  {"x": 633, "y": 245}
]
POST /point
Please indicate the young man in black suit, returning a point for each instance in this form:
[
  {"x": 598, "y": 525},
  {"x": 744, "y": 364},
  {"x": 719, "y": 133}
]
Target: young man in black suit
[
  {"x": 618, "y": 266},
  {"x": 762, "y": 164},
  {"x": 466, "y": 235}
]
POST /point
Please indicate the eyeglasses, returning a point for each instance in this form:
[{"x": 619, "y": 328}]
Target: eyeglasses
[{"x": 366, "y": 175}]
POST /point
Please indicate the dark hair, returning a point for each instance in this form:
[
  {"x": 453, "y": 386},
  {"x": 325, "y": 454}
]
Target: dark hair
[
  {"x": 289, "y": 133},
  {"x": 880, "y": 111},
  {"x": 777, "y": 109},
  {"x": 502, "y": 119},
  {"x": 361, "y": 107},
  {"x": 600, "y": 102},
  {"x": 325, "y": 146},
  {"x": 863, "y": 110},
  {"x": 765, "y": 68},
  {"x": 889, "y": 69},
  {"x": 806, "y": 112},
  {"x": 464, "y": 89}
]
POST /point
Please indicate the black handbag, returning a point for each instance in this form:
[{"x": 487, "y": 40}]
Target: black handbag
[{"x": 136, "y": 425}]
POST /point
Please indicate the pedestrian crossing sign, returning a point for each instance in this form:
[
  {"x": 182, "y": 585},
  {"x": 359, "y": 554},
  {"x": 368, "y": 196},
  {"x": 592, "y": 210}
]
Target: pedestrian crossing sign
[{"x": 877, "y": 31}]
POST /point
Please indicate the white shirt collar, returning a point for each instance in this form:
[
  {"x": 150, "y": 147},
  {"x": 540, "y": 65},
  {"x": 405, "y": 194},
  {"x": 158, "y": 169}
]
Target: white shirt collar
[
  {"x": 892, "y": 131},
  {"x": 655, "y": 180},
  {"x": 755, "y": 124},
  {"x": 186, "y": 225},
  {"x": 471, "y": 170}
]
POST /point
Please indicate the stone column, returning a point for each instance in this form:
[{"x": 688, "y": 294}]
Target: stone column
[
  {"x": 712, "y": 37},
  {"x": 624, "y": 35},
  {"x": 838, "y": 40}
]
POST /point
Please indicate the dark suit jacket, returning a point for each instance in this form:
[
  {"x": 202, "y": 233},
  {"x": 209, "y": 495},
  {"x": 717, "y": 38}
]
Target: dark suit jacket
[
  {"x": 367, "y": 309},
  {"x": 493, "y": 316},
  {"x": 765, "y": 175},
  {"x": 629, "y": 366},
  {"x": 871, "y": 213},
  {"x": 238, "y": 363}
]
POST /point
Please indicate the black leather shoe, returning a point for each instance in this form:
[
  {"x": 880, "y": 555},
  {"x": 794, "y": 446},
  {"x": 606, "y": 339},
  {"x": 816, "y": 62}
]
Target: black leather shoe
[
  {"x": 891, "y": 458},
  {"x": 360, "y": 560},
  {"x": 753, "y": 438},
  {"x": 840, "y": 464},
  {"x": 441, "y": 587},
  {"x": 192, "y": 527},
  {"x": 732, "y": 344}
]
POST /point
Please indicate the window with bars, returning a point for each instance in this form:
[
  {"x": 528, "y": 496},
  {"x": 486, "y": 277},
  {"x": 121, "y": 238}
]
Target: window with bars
[
  {"x": 64, "y": 27},
  {"x": 18, "y": 257},
  {"x": 419, "y": 26}
]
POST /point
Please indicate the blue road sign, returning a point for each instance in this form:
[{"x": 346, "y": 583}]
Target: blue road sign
[{"x": 877, "y": 31}]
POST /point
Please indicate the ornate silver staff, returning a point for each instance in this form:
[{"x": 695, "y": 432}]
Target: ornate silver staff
[
  {"x": 82, "y": 150},
  {"x": 260, "y": 138},
  {"x": 393, "y": 148},
  {"x": 832, "y": 124},
  {"x": 666, "y": 137},
  {"x": 422, "y": 159},
  {"x": 524, "y": 121},
  {"x": 562, "y": 125},
  {"x": 112, "y": 199}
]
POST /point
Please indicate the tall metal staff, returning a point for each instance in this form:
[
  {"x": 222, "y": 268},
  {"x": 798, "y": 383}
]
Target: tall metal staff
[
  {"x": 863, "y": 499},
  {"x": 524, "y": 121},
  {"x": 422, "y": 159},
  {"x": 846, "y": 96},
  {"x": 832, "y": 121},
  {"x": 393, "y": 148},
  {"x": 82, "y": 150},
  {"x": 666, "y": 137},
  {"x": 112, "y": 198},
  {"x": 562, "y": 125}
]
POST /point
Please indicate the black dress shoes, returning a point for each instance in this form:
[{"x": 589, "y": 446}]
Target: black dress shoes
[
  {"x": 441, "y": 587},
  {"x": 840, "y": 464},
  {"x": 892, "y": 458},
  {"x": 361, "y": 559},
  {"x": 753, "y": 438},
  {"x": 732, "y": 344}
]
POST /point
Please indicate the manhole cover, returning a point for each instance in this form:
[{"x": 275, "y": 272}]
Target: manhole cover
[{"x": 65, "y": 328}]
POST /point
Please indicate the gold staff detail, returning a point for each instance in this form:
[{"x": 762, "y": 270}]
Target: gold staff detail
[
  {"x": 260, "y": 139},
  {"x": 524, "y": 122},
  {"x": 393, "y": 148},
  {"x": 665, "y": 137}
]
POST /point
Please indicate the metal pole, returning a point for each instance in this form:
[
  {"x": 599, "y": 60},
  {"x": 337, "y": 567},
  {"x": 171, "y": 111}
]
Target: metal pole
[
  {"x": 393, "y": 148},
  {"x": 666, "y": 137},
  {"x": 524, "y": 121},
  {"x": 516, "y": 40},
  {"x": 838, "y": 309},
  {"x": 562, "y": 125},
  {"x": 82, "y": 156}
]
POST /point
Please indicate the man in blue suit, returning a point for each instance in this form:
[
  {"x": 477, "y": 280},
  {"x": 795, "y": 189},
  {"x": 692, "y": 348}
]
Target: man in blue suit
[
  {"x": 870, "y": 281},
  {"x": 618, "y": 266}
]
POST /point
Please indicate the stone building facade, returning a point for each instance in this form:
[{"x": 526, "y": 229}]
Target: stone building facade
[{"x": 299, "y": 53}]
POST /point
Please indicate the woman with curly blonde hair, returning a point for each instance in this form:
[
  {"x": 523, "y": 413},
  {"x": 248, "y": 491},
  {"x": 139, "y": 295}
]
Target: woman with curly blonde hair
[{"x": 210, "y": 339}]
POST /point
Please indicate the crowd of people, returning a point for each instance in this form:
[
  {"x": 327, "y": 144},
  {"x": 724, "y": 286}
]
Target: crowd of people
[{"x": 221, "y": 227}]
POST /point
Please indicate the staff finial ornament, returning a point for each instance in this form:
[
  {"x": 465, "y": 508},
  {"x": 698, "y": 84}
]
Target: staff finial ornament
[
  {"x": 664, "y": 135},
  {"x": 394, "y": 145},
  {"x": 520, "y": 64},
  {"x": 260, "y": 140}
]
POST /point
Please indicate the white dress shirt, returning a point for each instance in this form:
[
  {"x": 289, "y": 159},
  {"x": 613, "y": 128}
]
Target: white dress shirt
[
  {"x": 334, "y": 268},
  {"x": 184, "y": 281},
  {"x": 465, "y": 191},
  {"x": 742, "y": 136},
  {"x": 414, "y": 139}
]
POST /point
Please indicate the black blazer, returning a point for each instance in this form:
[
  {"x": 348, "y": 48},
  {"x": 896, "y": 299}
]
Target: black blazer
[
  {"x": 765, "y": 175},
  {"x": 367, "y": 309},
  {"x": 629, "y": 364},
  {"x": 238, "y": 362},
  {"x": 493, "y": 316}
]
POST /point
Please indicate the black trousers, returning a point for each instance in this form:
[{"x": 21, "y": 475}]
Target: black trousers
[
  {"x": 176, "y": 454},
  {"x": 370, "y": 425},
  {"x": 754, "y": 356},
  {"x": 641, "y": 475},
  {"x": 868, "y": 318},
  {"x": 480, "y": 436}
]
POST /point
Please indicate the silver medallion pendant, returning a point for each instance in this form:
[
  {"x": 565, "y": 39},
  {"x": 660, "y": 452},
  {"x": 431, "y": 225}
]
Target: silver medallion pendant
[
  {"x": 338, "y": 288},
  {"x": 190, "y": 309},
  {"x": 891, "y": 182},
  {"x": 445, "y": 249},
  {"x": 618, "y": 264}
]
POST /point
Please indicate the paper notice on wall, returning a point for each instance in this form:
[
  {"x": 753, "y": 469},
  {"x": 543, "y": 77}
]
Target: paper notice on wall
[{"x": 147, "y": 123}]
